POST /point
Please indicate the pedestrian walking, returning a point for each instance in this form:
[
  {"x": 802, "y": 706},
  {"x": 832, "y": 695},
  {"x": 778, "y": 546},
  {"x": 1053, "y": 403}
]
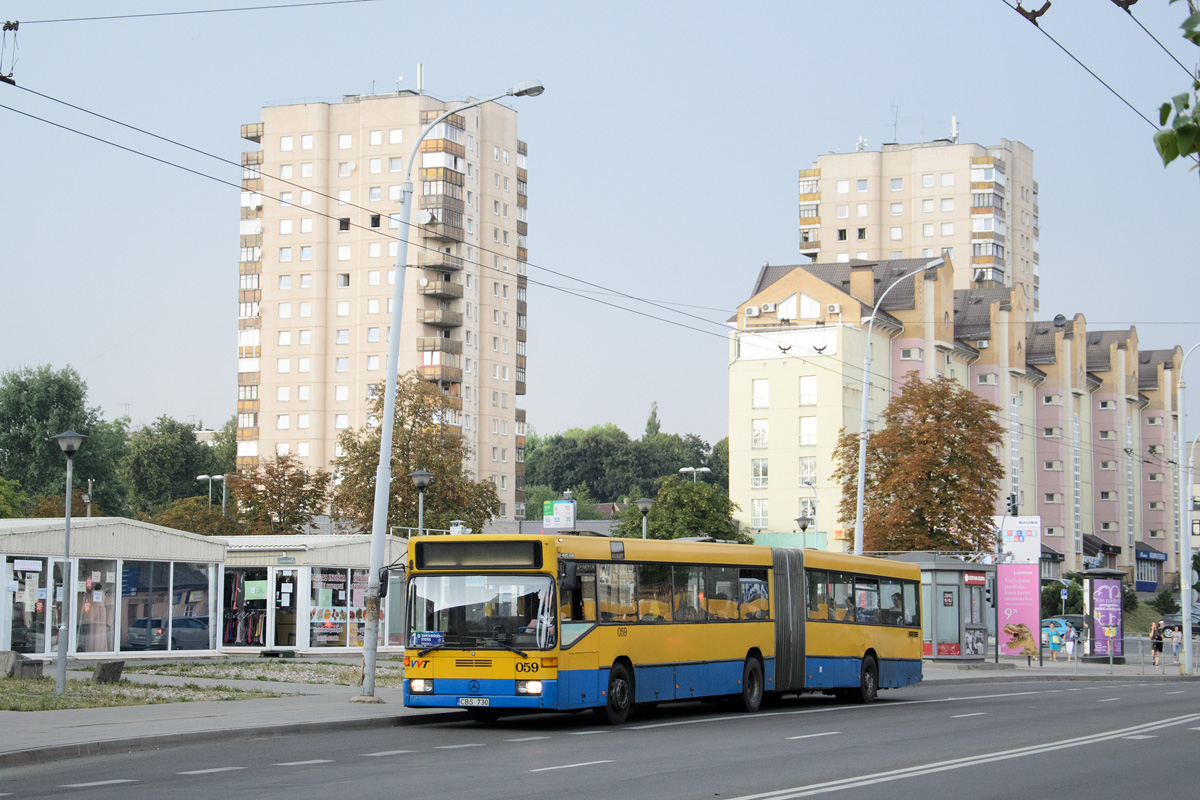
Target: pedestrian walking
[
  {"x": 1156, "y": 641},
  {"x": 1069, "y": 641},
  {"x": 1176, "y": 642},
  {"x": 1055, "y": 644}
]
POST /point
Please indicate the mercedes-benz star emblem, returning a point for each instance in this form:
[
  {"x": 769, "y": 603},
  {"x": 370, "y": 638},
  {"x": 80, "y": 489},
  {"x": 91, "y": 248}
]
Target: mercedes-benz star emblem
[{"x": 474, "y": 687}]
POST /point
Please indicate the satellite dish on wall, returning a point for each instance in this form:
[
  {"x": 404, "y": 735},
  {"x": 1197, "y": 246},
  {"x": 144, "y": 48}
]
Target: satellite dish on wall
[
  {"x": 423, "y": 282},
  {"x": 424, "y": 216}
]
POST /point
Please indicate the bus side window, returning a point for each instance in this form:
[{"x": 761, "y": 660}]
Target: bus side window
[
  {"x": 818, "y": 600},
  {"x": 891, "y": 597},
  {"x": 689, "y": 594},
  {"x": 912, "y": 603},
  {"x": 867, "y": 595},
  {"x": 722, "y": 592},
  {"x": 841, "y": 597},
  {"x": 654, "y": 592},
  {"x": 755, "y": 597}
]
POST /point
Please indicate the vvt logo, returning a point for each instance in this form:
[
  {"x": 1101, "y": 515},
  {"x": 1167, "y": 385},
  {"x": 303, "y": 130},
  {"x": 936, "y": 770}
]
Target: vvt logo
[{"x": 473, "y": 686}]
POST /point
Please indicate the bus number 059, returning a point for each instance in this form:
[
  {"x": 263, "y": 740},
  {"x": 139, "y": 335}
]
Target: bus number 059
[{"x": 527, "y": 666}]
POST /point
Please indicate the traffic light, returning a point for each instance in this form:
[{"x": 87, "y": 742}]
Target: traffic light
[
  {"x": 988, "y": 594},
  {"x": 1012, "y": 505}
]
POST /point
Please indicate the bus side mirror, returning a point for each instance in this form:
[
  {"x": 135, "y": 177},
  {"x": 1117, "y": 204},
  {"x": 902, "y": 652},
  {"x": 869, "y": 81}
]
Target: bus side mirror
[
  {"x": 570, "y": 579},
  {"x": 383, "y": 582}
]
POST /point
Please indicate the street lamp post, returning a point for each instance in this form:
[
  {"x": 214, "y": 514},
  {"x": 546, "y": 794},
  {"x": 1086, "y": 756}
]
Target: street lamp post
[
  {"x": 70, "y": 442},
  {"x": 862, "y": 422},
  {"x": 694, "y": 471},
  {"x": 383, "y": 475},
  {"x": 802, "y": 523},
  {"x": 420, "y": 479},
  {"x": 224, "y": 493},
  {"x": 809, "y": 520},
  {"x": 210, "y": 479},
  {"x": 1185, "y": 523},
  {"x": 644, "y": 506}
]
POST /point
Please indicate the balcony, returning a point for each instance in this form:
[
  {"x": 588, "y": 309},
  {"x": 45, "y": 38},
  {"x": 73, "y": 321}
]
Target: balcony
[
  {"x": 252, "y": 158},
  {"x": 996, "y": 260},
  {"x": 441, "y": 289},
  {"x": 520, "y": 387},
  {"x": 443, "y": 146},
  {"x": 522, "y": 254},
  {"x": 441, "y": 230},
  {"x": 440, "y": 373},
  {"x": 252, "y": 184},
  {"x": 522, "y": 228},
  {"x": 810, "y": 245},
  {"x": 253, "y": 132},
  {"x": 440, "y": 344},
  {"x": 440, "y": 317},
  {"x": 249, "y": 295},
  {"x": 251, "y": 213},
  {"x": 436, "y": 201},
  {"x": 254, "y": 240},
  {"x": 428, "y": 115},
  {"x": 998, "y": 238},
  {"x": 443, "y": 261}
]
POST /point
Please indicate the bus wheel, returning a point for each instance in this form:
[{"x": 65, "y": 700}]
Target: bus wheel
[
  {"x": 620, "y": 697},
  {"x": 868, "y": 688},
  {"x": 483, "y": 714},
  {"x": 751, "y": 698}
]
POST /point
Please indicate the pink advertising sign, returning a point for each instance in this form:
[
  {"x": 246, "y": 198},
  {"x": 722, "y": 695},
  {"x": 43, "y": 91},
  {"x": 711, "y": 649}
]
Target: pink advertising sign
[{"x": 1018, "y": 601}]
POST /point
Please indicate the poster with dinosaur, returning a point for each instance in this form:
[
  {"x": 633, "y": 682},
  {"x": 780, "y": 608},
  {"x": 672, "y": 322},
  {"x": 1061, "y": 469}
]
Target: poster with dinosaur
[{"x": 1018, "y": 595}]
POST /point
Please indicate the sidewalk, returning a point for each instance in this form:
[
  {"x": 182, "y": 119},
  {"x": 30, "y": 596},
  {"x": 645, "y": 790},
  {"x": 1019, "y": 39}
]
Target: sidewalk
[{"x": 37, "y": 736}]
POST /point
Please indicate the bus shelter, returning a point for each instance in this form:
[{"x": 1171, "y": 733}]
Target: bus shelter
[
  {"x": 954, "y": 618},
  {"x": 305, "y": 593},
  {"x": 133, "y": 587}
]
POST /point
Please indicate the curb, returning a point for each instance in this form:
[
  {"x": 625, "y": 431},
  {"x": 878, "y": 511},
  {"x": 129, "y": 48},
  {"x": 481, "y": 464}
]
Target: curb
[{"x": 41, "y": 755}]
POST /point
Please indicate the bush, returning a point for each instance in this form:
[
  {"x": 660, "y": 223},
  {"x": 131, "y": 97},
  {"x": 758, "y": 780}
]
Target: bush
[
  {"x": 1164, "y": 602},
  {"x": 1129, "y": 598}
]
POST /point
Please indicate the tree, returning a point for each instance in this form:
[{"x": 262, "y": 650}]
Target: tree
[
  {"x": 718, "y": 462},
  {"x": 36, "y": 404},
  {"x": 1164, "y": 602},
  {"x": 1052, "y": 604},
  {"x": 279, "y": 495},
  {"x": 652, "y": 424},
  {"x": 1183, "y": 137},
  {"x": 43, "y": 506},
  {"x": 162, "y": 463},
  {"x": 12, "y": 500},
  {"x": 222, "y": 456},
  {"x": 421, "y": 440},
  {"x": 195, "y": 515},
  {"x": 932, "y": 475},
  {"x": 683, "y": 508}
]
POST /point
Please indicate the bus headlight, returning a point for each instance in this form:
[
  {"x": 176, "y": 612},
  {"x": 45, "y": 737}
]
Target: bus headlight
[
  {"x": 529, "y": 687},
  {"x": 420, "y": 686}
]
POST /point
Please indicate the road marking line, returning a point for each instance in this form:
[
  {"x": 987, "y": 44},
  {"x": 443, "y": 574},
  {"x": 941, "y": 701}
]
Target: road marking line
[
  {"x": 1108, "y": 700},
  {"x": 584, "y": 733},
  {"x": 571, "y": 766},
  {"x": 814, "y": 735},
  {"x": 975, "y": 714},
  {"x": 968, "y": 761},
  {"x": 1141, "y": 736},
  {"x": 1178, "y": 692},
  {"x": 95, "y": 783},
  {"x": 209, "y": 771},
  {"x": 459, "y": 746},
  {"x": 527, "y": 739},
  {"x": 386, "y": 753},
  {"x": 304, "y": 763}
]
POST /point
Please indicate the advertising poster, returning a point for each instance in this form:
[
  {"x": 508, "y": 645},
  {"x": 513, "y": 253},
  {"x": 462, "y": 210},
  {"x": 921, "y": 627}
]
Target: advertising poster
[
  {"x": 1021, "y": 539},
  {"x": 1103, "y": 606},
  {"x": 1018, "y": 600}
]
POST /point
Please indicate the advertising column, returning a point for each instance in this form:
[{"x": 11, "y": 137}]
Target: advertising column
[
  {"x": 1018, "y": 585},
  {"x": 1103, "y": 615}
]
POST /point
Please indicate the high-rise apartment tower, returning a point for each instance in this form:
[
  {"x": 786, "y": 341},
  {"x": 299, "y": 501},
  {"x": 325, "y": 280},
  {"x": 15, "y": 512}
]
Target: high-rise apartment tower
[{"x": 318, "y": 250}]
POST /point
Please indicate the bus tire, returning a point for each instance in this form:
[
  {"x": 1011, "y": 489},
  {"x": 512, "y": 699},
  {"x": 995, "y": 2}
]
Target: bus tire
[
  {"x": 619, "y": 698},
  {"x": 868, "y": 688},
  {"x": 751, "y": 697}
]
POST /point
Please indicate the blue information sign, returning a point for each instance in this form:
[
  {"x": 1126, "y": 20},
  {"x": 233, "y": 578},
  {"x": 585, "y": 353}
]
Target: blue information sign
[{"x": 426, "y": 638}]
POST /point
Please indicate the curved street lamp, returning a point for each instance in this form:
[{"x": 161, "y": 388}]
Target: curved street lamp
[
  {"x": 862, "y": 422},
  {"x": 644, "y": 506},
  {"x": 694, "y": 471},
  {"x": 70, "y": 442},
  {"x": 383, "y": 475}
]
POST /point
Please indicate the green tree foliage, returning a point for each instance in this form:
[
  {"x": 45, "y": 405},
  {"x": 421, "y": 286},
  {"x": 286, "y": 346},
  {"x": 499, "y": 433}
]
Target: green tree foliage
[
  {"x": 195, "y": 515},
  {"x": 1129, "y": 598},
  {"x": 718, "y": 462},
  {"x": 932, "y": 474},
  {"x": 162, "y": 463},
  {"x": 683, "y": 508},
  {"x": 1164, "y": 602},
  {"x": 13, "y": 501},
  {"x": 419, "y": 441},
  {"x": 1182, "y": 138},
  {"x": 42, "y": 506},
  {"x": 279, "y": 496},
  {"x": 37, "y": 403},
  {"x": 652, "y": 424},
  {"x": 1052, "y": 604},
  {"x": 222, "y": 457}
]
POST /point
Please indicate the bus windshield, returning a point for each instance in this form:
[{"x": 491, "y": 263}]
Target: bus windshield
[{"x": 482, "y": 612}]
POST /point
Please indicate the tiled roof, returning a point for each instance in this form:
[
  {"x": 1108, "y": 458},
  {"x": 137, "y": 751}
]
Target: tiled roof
[
  {"x": 1098, "y": 343},
  {"x": 972, "y": 311},
  {"x": 1148, "y": 361},
  {"x": 838, "y": 274},
  {"x": 1040, "y": 345}
]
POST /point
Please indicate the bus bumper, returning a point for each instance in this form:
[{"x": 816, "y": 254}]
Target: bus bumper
[{"x": 447, "y": 692}]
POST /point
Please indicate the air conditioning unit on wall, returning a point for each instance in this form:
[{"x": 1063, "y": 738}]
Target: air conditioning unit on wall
[
  {"x": 768, "y": 308},
  {"x": 835, "y": 308},
  {"x": 752, "y": 311}
]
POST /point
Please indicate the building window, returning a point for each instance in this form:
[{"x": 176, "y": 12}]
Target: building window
[
  {"x": 947, "y": 229},
  {"x": 897, "y": 234},
  {"x": 1108, "y": 465},
  {"x": 1108, "y": 405},
  {"x": 860, "y": 209},
  {"x": 760, "y": 393},
  {"x": 1054, "y": 466},
  {"x": 927, "y": 180},
  {"x": 1053, "y": 497},
  {"x": 947, "y": 204},
  {"x": 897, "y": 209},
  {"x": 1108, "y": 495},
  {"x": 306, "y": 309},
  {"x": 862, "y": 234},
  {"x": 758, "y": 473},
  {"x": 758, "y": 513},
  {"x": 342, "y": 365},
  {"x": 862, "y": 184},
  {"x": 1154, "y": 421},
  {"x": 808, "y": 431},
  {"x": 372, "y": 362},
  {"x": 1108, "y": 435},
  {"x": 987, "y": 379},
  {"x": 282, "y": 422},
  {"x": 1156, "y": 477},
  {"x": 808, "y": 390},
  {"x": 911, "y": 354},
  {"x": 758, "y": 433},
  {"x": 303, "y": 364},
  {"x": 947, "y": 179},
  {"x": 841, "y": 234},
  {"x": 843, "y": 187},
  {"x": 808, "y": 470},
  {"x": 897, "y": 184},
  {"x": 285, "y": 281},
  {"x": 341, "y": 421},
  {"x": 843, "y": 211},
  {"x": 1158, "y": 505},
  {"x": 1052, "y": 433},
  {"x": 1052, "y": 400}
]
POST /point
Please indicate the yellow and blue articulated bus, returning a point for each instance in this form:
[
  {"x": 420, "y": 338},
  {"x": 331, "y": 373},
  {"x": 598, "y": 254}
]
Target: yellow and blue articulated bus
[{"x": 498, "y": 624}]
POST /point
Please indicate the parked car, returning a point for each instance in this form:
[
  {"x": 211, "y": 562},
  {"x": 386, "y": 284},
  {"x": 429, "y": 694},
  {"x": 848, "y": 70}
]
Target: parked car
[
  {"x": 187, "y": 633},
  {"x": 1078, "y": 620},
  {"x": 1176, "y": 621}
]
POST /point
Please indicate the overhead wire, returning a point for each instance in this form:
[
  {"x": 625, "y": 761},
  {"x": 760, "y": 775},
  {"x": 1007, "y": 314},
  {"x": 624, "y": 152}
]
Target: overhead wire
[
  {"x": 196, "y": 11},
  {"x": 1129, "y": 10}
]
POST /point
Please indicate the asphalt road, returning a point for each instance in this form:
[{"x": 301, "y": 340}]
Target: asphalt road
[{"x": 1003, "y": 740}]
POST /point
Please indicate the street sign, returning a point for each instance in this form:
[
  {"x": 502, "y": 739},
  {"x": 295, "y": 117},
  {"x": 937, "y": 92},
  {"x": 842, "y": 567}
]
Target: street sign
[{"x": 1064, "y": 594}]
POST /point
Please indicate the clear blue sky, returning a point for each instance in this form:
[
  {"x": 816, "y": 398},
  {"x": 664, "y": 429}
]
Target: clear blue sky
[{"x": 663, "y": 160}]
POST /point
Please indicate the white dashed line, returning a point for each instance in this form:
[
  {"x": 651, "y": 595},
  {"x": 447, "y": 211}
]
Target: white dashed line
[
  {"x": 95, "y": 783},
  {"x": 814, "y": 735},
  {"x": 209, "y": 771},
  {"x": 304, "y": 763},
  {"x": 584, "y": 733},
  {"x": 1108, "y": 700},
  {"x": 1135, "y": 738},
  {"x": 459, "y": 746},
  {"x": 528, "y": 739},
  {"x": 976, "y": 714},
  {"x": 1178, "y": 692},
  {"x": 386, "y": 753},
  {"x": 571, "y": 766}
]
